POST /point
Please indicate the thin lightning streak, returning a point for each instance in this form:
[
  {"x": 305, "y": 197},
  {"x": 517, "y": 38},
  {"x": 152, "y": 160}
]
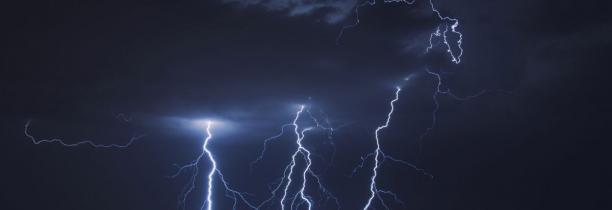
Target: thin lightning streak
[
  {"x": 434, "y": 112},
  {"x": 455, "y": 58},
  {"x": 194, "y": 166},
  {"x": 379, "y": 153},
  {"x": 76, "y": 144},
  {"x": 357, "y": 18},
  {"x": 448, "y": 22},
  {"x": 267, "y": 141},
  {"x": 379, "y": 158},
  {"x": 319, "y": 125},
  {"x": 233, "y": 194},
  {"x": 265, "y": 146},
  {"x": 386, "y": 157},
  {"x": 373, "y": 189},
  {"x": 328, "y": 194},
  {"x": 330, "y": 133},
  {"x": 447, "y": 91},
  {"x": 439, "y": 90},
  {"x": 434, "y": 34},
  {"x": 275, "y": 189},
  {"x": 393, "y": 195}
]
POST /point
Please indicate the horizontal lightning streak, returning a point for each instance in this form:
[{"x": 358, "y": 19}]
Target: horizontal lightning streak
[{"x": 79, "y": 143}]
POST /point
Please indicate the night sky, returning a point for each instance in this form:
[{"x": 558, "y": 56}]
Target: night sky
[{"x": 106, "y": 71}]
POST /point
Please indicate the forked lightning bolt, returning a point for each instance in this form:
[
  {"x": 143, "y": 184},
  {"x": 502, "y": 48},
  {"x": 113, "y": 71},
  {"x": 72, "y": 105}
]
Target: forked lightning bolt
[
  {"x": 300, "y": 197},
  {"x": 194, "y": 166},
  {"x": 306, "y": 155}
]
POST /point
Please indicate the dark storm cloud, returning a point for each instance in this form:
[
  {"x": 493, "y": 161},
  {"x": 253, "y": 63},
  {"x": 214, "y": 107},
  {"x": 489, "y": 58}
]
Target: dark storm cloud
[
  {"x": 75, "y": 64},
  {"x": 334, "y": 11}
]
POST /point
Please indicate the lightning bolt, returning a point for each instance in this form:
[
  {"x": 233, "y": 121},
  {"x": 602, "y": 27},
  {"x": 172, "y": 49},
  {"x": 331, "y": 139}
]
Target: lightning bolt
[
  {"x": 64, "y": 143},
  {"x": 286, "y": 180},
  {"x": 306, "y": 155},
  {"x": 380, "y": 157},
  {"x": 235, "y": 195},
  {"x": 373, "y": 189},
  {"x": 449, "y": 24},
  {"x": 213, "y": 168},
  {"x": 294, "y": 200}
]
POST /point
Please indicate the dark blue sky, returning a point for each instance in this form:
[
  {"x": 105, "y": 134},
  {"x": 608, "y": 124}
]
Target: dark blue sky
[{"x": 537, "y": 140}]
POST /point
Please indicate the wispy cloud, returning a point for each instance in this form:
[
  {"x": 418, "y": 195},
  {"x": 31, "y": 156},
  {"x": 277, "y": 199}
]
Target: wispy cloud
[{"x": 334, "y": 10}]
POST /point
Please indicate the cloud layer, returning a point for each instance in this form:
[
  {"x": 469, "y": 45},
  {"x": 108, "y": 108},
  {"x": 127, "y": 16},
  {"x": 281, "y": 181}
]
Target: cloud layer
[{"x": 333, "y": 10}]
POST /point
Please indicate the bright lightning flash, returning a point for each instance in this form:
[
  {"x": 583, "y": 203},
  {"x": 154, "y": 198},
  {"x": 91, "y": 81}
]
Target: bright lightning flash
[
  {"x": 300, "y": 197},
  {"x": 213, "y": 168},
  {"x": 194, "y": 166}
]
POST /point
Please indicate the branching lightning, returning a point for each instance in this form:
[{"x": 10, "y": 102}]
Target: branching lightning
[
  {"x": 306, "y": 155},
  {"x": 440, "y": 90},
  {"x": 299, "y": 198},
  {"x": 265, "y": 146},
  {"x": 294, "y": 176},
  {"x": 379, "y": 157},
  {"x": 194, "y": 166},
  {"x": 449, "y": 24},
  {"x": 377, "y": 151}
]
